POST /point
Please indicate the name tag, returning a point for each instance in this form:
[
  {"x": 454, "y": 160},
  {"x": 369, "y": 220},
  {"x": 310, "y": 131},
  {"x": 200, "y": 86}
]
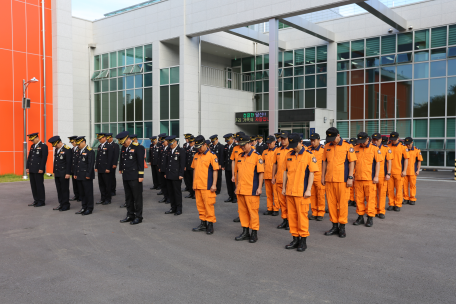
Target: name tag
[
  {"x": 289, "y": 159},
  {"x": 84, "y": 153},
  {"x": 133, "y": 150},
  {"x": 278, "y": 153},
  {"x": 239, "y": 161},
  {"x": 328, "y": 150}
]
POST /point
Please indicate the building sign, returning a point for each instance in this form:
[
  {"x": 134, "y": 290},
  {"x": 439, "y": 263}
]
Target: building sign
[
  {"x": 312, "y": 131},
  {"x": 252, "y": 117}
]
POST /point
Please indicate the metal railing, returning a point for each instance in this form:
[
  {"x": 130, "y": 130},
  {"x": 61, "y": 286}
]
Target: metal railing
[{"x": 223, "y": 78}]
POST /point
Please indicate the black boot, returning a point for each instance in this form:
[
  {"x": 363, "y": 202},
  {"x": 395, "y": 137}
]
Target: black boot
[
  {"x": 326, "y": 210},
  {"x": 201, "y": 227},
  {"x": 390, "y": 208},
  {"x": 302, "y": 246},
  {"x": 381, "y": 216},
  {"x": 210, "y": 228},
  {"x": 411, "y": 202},
  {"x": 268, "y": 212},
  {"x": 311, "y": 217},
  {"x": 406, "y": 202},
  {"x": 245, "y": 235},
  {"x": 237, "y": 220},
  {"x": 160, "y": 193},
  {"x": 397, "y": 209},
  {"x": 293, "y": 244},
  {"x": 162, "y": 200},
  {"x": 127, "y": 219},
  {"x": 229, "y": 199},
  {"x": 333, "y": 230},
  {"x": 342, "y": 233},
  {"x": 370, "y": 221},
  {"x": 253, "y": 236},
  {"x": 283, "y": 225},
  {"x": 188, "y": 196},
  {"x": 275, "y": 213},
  {"x": 359, "y": 220}
]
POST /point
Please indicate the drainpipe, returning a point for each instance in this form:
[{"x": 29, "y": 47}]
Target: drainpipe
[
  {"x": 44, "y": 68},
  {"x": 89, "y": 54},
  {"x": 199, "y": 85}
]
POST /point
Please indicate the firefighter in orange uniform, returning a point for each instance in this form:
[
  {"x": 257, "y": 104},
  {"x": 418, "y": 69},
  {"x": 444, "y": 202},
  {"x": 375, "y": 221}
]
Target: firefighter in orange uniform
[
  {"x": 298, "y": 177},
  {"x": 352, "y": 201},
  {"x": 205, "y": 166},
  {"x": 337, "y": 175},
  {"x": 277, "y": 176},
  {"x": 271, "y": 189},
  {"x": 413, "y": 170},
  {"x": 249, "y": 181},
  {"x": 368, "y": 164},
  {"x": 237, "y": 150},
  {"x": 399, "y": 166},
  {"x": 383, "y": 176},
  {"x": 318, "y": 190}
]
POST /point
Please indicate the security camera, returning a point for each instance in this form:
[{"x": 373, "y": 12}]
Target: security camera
[
  {"x": 33, "y": 80},
  {"x": 410, "y": 27},
  {"x": 390, "y": 30}
]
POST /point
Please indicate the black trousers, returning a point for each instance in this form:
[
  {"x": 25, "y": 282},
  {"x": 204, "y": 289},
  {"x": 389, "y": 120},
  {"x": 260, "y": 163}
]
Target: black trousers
[
  {"x": 188, "y": 178},
  {"x": 75, "y": 188},
  {"x": 63, "y": 191},
  {"x": 163, "y": 184},
  {"x": 113, "y": 180},
  {"x": 219, "y": 181},
  {"x": 134, "y": 197},
  {"x": 155, "y": 173},
  {"x": 86, "y": 193},
  {"x": 230, "y": 186},
  {"x": 37, "y": 185},
  {"x": 104, "y": 183},
  {"x": 175, "y": 194}
]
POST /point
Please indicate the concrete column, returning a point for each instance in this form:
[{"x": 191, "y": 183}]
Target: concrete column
[
  {"x": 331, "y": 101},
  {"x": 156, "y": 87},
  {"x": 273, "y": 75}
]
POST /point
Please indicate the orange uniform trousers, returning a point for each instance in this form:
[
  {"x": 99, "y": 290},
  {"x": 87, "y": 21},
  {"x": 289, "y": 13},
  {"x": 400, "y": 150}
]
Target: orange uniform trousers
[
  {"x": 380, "y": 196},
  {"x": 352, "y": 192},
  {"x": 282, "y": 201},
  {"x": 248, "y": 206},
  {"x": 410, "y": 182},
  {"x": 395, "y": 182},
  {"x": 298, "y": 209},
  {"x": 317, "y": 199},
  {"x": 205, "y": 200},
  {"x": 271, "y": 195},
  {"x": 337, "y": 194},
  {"x": 365, "y": 189}
]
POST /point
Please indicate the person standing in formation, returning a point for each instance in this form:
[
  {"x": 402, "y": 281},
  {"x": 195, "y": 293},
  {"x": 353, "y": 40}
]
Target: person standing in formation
[
  {"x": 185, "y": 147},
  {"x": 237, "y": 150},
  {"x": 317, "y": 200},
  {"x": 261, "y": 146},
  {"x": 218, "y": 149},
  {"x": 115, "y": 161},
  {"x": 271, "y": 189},
  {"x": 190, "y": 152},
  {"x": 174, "y": 174},
  {"x": 103, "y": 165},
  {"x": 63, "y": 158},
  {"x": 35, "y": 167},
  {"x": 399, "y": 167},
  {"x": 162, "y": 168},
  {"x": 153, "y": 161},
  {"x": 85, "y": 174},
  {"x": 226, "y": 165},
  {"x": 413, "y": 170},
  {"x": 383, "y": 176},
  {"x": 74, "y": 150}
]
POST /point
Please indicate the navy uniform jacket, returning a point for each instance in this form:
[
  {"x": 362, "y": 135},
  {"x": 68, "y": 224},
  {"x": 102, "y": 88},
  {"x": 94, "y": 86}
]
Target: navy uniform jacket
[
  {"x": 162, "y": 153},
  {"x": 175, "y": 163},
  {"x": 226, "y": 161},
  {"x": 261, "y": 147},
  {"x": 132, "y": 161},
  {"x": 85, "y": 163},
  {"x": 63, "y": 161},
  {"x": 154, "y": 154},
  {"x": 104, "y": 158},
  {"x": 74, "y": 161},
  {"x": 189, "y": 157},
  {"x": 218, "y": 149},
  {"x": 185, "y": 146},
  {"x": 37, "y": 158},
  {"x": 115, "y": 157}
]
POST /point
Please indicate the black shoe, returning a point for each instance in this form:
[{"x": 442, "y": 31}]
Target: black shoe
[
  {"x": 178, "y": 213},
  {"x": 326, "y": 210},
  {"x": 333, "y": 230},
  {"x": 234, "y": 200},
  {"x": 185, "y": 189},
  {"x": 87, "y": 212},
  {"x": 113, "y": 194},
  {"x": 245, "y": 235},
  {"x": 283, "y": 225},
  {"x": 201, "y": 227},
  {"x": 359, "y": 220},
  {"x": 381, "y": 216},
  {"x": 376, "y": 215},
  {"x": 405, "y": 202},
  {"x": 170, "y": 211},
  {"x": 32, "y": 204},
  {"x": 99, "y": 202},
  {"x": 74, "y": 198},
  {"x": 64, "y": 209},
  {"x": 302, "y": 246},
  {"x": 189, "y": 196},
  {"x": 253, "y": 236},
  {"x": 267, "y": 212},
  {"x": 127, "y": 219},
  {"x": 152, "y": 188},
  {"x": 57, "y": 208},
  {"x": 193, "y": 197},
  {"x": 217, "y": 192},
  {"x": 342, "y": 233},
  {"x": 123, "y": 206},
  {"x": 396, "y": 208},
  {"x": 353, "y": 203},
  {"x": 412, "y": 202},
  {"x": 390, "y": 208},
  {"x": 293, "y": 244},
  {"x": 136, "y": 221},
  {"x": 158, "y": 188},
  {"x": 319, "y": 218},
  {"x": 168, "y": 201},
  {"x": 275, "y": 213},
  {"x": 160, "y": 193},
  {"x": 370, "y": 221},
  {"x": 230, "y": 199},
  {"x": 39, "y": 205},
  {"x": 311, "y": 217},
  {"x": 237, "y": 220},
  {"x": 80, "y": 211},
  {"x": 162, "y": 200},
  {"x": 210, "y": 228},
  {"x": 106, "y": 203}
]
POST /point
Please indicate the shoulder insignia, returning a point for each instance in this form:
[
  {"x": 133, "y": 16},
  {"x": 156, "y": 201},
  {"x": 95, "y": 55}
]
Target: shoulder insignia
[
  {"x": 257, "y": 153},
  {"x": 389, "y": 151},
  {"x": 212, "y": 152},
  {"x": 352, "y": 150},
  {"x": 88, "y": 148},
  {"x": 308, "y": 151},
  {"x": 216, "y": 160},
  {"x": 66, "y": 147},
  {"x": 136, "y": 144},
  {"x": 260, "y": 161},
  {"x": 379, "y": 152},
  {"x": 314, "y": 159},
  {"x": 406, "y": 150},
  {"x": 420, "y": 152}
]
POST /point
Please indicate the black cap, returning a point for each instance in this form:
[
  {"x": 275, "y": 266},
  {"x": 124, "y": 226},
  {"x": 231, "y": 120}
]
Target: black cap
[
  {"x": 394, "y": 136},
  {"x": 153, "y": 138},
  {"x": 277, "y": 135},
  {"x": 72, "y": 138},
  {"x": 108, "y": 135},
  {"x": 353, "y": 141},
  {"x": 122, "y": 137},
  {"x": 294, "y": 139},
  {"x": 187, "y": 135},
  {"x": 408, "y": 140},
  {"x": 80, "y": 139},
  {"x": 191, "y": 138},
  {"x": 259, "y": 137},
  {"x": 228, "y": 136},
  {"x": 101, "y": 135},
  {"x": 54, "y": 140},
  {"x": 213, "y": 137},
  {"x": 315, "y": 136},
  {"x": 331, "y": 134},
  {"x": 362, "y": 137},
  {"x": 385, "y": 140},
  {"x": 199, "y": 141},
  {"x": 270, "y": 139},
  {"x": 208, "y": 142},
  {"x": 253, "y": 138},
  {"x": 283, "y": 134},
  {"x": 171, "y": 138},
  {"x": 243, "y": 139},
  {"x": 376, "y": 136},
  {"x": 162, "y": 136},
  {"x": 133, "y": 136},
  {"x": 32, "y": 136}
]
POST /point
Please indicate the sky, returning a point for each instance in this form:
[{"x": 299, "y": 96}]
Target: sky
[{"x": 95, "y": 9}]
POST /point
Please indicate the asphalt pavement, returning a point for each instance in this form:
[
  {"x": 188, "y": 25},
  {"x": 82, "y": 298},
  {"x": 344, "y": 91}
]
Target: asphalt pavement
[{"x": 48, "y": 256}]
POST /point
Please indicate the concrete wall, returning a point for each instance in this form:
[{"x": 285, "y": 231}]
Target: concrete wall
[{"x": 215, "y": 61}]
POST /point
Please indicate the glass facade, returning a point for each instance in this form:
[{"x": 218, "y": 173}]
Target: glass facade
[
  {"x": 123, "y": 91},
  {"x": 169, "y": 101},
  {"x": 402, "y": 82}
]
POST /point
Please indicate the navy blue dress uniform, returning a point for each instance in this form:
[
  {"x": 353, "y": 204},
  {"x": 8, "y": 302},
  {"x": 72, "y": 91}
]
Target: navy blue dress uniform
[
  {"x": 84, "y": 175},
  {"x": 115, "y": 162},
  {"x": 74, "y": 149},
  {"x": 63, "y": 160},
  {"x": 36, "y": 162},
  {"x": 185, "y": 146},
  {"x": 278, "y": 141},
  {"x": 261, "y": 146},
  {"x": 162, "y": 168},
  {"x": 132, "y": 169},
  {"x": 218, "y": 150},
  {"x": 174, "y": 173},
  {"x": 153, "y": 160},
  {"x": 190, "y": 152},
  {"x": 226, "y": 164},
  {"x": 103, "y": 165}
]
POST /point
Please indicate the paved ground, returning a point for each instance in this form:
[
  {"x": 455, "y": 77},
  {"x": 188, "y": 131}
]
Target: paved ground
[{"x": 53, "y": 257}]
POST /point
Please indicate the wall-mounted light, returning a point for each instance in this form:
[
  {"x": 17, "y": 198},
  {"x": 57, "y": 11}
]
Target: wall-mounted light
[{"x": 324, "y": 119}]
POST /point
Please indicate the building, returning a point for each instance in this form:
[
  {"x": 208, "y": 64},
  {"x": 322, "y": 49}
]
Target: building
[{"x": 212, "y": 67}]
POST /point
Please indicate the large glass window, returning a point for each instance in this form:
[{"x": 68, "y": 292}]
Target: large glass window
[
  {"x": 437, "y": 97},
  {"x": 342, "y": 103},
  {"x": 343, "y": 51},
  {"x": 439, "y": 36},
  {"x": 357, "y": 102},
  {"x": 404, "y": 99},
  {"x": 387, "y": 100},
  {"x": 451, "y": 98},
  {"x": 421, "y": 40},
  {"x": 420, "y": 98},
  {"x": 372, "y": 92}
]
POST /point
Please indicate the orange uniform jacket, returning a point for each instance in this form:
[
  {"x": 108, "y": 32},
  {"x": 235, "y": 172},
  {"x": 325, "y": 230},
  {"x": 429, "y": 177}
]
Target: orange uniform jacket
[
  {"x": 366, "y": 161},
  {"x": 268, "y": 158},
  {"x": 237, "y": 150},
  {"x": 387, "y": 155},
  {"x": 298, "y": 167},
  {"x": 337, "y": 157},
  {"x": 400, "y": 154},
  {"x": 204, "y": 165},
  {"x": 415, "y": 157},
  {"x": 279, "y": 159},
  {"x": 248, "y": 167},
  {"x": 318, "y": 154}
]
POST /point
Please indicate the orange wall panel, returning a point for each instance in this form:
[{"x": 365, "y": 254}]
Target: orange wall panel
[
  {"x": 18, "y": 126},
  {"x": 6, "y": 35},
  {"x": 36, "y": 2},
  {"x": 6, "y": 162},
  {"x": 48, "y": 32},
  {"x": 33, "y": 31},
  {"x": 33, "y": 70},
  {"x": 20, "y": 73},
  {"x": 19, "y": 28},
  {"x": 6, "y": 81},
  {"x": 6, "y": 118}
]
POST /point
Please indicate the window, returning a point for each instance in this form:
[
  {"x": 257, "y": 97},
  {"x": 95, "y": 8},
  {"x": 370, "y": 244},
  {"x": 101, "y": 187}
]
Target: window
[
  {"x": 372, "y": 46},
  {"x": 357, "y": 102},
  {"x": 420, "y": 128},
  {"x": 437, "y": 127},
  {"x": 452, "y": 35},
  {"x": 438, "y": 68},
  {"x": 113, "y": 59},
  {"x": 405, "y": 42},
  {"x": 421, "y": 40},
  {"x": 322, "y": 53},
  {"x": 388, "y": 44},
  {"x": 310, "y": 55},
  {"x": 451, "y": 97},
  {"x": 420, "y": 99},
  {"x": 343, "y": 51},
  {"x": 148, "y": 52},
  {"x": 342, "y": 103},
  {"x": 439, "y": 36},
  {"x": 404, "y": 99},
  {"x": 357, "y": 49}
]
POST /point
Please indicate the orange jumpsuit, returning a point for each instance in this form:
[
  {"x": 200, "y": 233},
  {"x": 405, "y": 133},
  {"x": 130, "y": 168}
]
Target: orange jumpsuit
[
  {"x": 317, "y": 199},
  {"x": 366, "y": 161},
  {"x": 237, "y": 150},
  {"x": 337, "y": 157},
  {"x": 352, "y": 189},
  {"x": 248, "y": 168},
  {"x": 410, "y": 178},
  {"x": 204, "y": 165},
  {"x": 298, "y": 166},
  {"x": 382, "y": 183},
  {"x": 271, "y": 189},
  {"x": 279, "y": 159},
  {"x": 400, "y": 153}
]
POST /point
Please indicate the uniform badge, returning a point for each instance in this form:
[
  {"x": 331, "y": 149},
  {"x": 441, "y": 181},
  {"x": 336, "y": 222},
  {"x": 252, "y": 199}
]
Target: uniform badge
[
  {"x": 406, "y": 150},
  {"x": 379, "y": 152},
  {"x": 61, "y": 156},
  {"x": 37, "y": 152},
  {"x": 175, "y": 158},
  {"x": 132, "y": 150},
  {"x": 420, "y": 153},
  {"x": 314, "y": 159},
  {"x": 131, "y": 156},
  {"x": 352, "y": 150},
  {"x": 216, "y": 160},
  {"x": 260, "y": 161},
  {"x": 83, "y": 159},
  {"x": 389, "y": 151}
]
